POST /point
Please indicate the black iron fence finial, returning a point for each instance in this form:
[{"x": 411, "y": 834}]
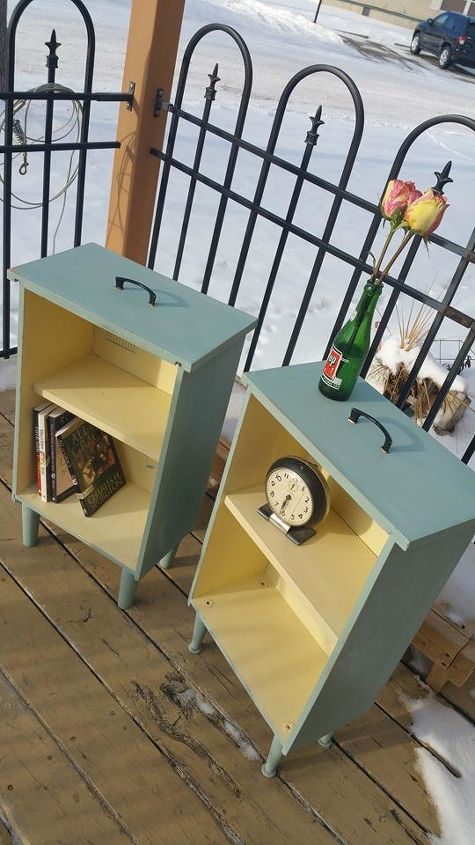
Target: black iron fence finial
[
  {"x": 443, "y": 178},
  {"x": 52, "y": 44},
  {"x": 210, "y": 92},
  {"x": 313, "y": 134}
]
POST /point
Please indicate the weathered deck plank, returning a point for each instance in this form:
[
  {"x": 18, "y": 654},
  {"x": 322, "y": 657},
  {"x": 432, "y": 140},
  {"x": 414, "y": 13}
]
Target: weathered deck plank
[
  {"x": 36, "y": 774},
  {"x": 327, "y": 781},
  {"x": 159, "y": 700},
  {"x": 114, "y": 755}
]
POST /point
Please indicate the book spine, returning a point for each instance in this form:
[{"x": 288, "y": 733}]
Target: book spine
[
  {"x": 37, "y": 450},
  {"x": 70, "y": 467},
  {"x": 52, "y": 458},
  {"x": 43, "y": 443}
]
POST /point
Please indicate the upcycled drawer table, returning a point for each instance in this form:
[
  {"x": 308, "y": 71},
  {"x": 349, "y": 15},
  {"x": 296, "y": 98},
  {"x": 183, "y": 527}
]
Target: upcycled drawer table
[
  {"x": 314, "y": 631},
  {"x": 157, "y": 379}
]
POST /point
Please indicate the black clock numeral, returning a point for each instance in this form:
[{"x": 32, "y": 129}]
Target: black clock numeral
[
  {"x": 279, "y": 477},
  {"x": 303, "y": 489},
  {"x": 272, "y": 493},
  {"x": 307, "y": 500},
  {"x": 292, "y": 516},
  {"x": 306, "y": 510},
  {"x": 300, "y": 515},
  {"x": 286, "y": 474},
  {"x": 273, "y": 485}
]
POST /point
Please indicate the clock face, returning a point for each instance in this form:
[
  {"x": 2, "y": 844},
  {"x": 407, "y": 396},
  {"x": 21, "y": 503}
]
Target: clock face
[{"x": 289, "y": 496}]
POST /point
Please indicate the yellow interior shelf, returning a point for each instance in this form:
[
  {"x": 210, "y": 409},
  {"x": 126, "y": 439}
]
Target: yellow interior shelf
[
  {"x": 328, "y": 571},
  {"x": 116, "y": 529},
  {"x": 125, "y": 406},
  {"x": 270, "y": 649}
]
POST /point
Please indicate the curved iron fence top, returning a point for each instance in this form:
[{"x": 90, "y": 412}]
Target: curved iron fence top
[
  {"x": 304, "y": 73},
  {"x": 460, "y": 119},
  {"x": 15, "y": 17},
  {"x": 190, "y": 49}
]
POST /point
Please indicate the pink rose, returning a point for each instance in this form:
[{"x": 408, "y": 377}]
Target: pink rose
[{"x": 397, "y": 197}]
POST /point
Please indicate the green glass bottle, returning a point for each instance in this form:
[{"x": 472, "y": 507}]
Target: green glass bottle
[{"x": 350, "y": 347}]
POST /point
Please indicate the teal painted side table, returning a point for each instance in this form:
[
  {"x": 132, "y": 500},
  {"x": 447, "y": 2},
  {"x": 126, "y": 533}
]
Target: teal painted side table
[
  {"x": 314, "y": 631},
  {"x": 156, "y": 377}
]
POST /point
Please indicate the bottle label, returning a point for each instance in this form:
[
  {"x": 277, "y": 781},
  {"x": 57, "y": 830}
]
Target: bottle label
[{"x": 329, "y": 374}]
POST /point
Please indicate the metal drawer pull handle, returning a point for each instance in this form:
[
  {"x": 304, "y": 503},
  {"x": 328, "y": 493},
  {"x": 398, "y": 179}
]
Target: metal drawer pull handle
[
  {"x": 119, "y": 283},
  {"x": 356, "y": 414}
]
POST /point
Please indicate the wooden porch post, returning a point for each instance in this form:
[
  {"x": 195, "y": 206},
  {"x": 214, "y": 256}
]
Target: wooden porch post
[{"x": 152, "y": 48}]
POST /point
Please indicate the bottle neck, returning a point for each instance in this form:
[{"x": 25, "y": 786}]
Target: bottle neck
[{"x": 368, "y": 300}]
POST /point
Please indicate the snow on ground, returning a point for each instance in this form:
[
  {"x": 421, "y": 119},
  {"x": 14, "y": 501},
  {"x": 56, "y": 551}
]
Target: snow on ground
[{"x": 453, "y": 739}]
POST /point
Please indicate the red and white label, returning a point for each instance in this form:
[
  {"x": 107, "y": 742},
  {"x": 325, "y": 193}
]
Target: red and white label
[{"x": 334, "y": 360}]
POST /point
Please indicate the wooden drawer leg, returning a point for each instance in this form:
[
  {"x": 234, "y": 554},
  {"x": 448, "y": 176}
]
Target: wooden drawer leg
[
  {"x": 30, "y": 524},
  {"x": 269, "y": 768},
  {"x": 166, "y": 561},
  {"x": 128, "y": 586},
  {"x": 199, "y": 631}
]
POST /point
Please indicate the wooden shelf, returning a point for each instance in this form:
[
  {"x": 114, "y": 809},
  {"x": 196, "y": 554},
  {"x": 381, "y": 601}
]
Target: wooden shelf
[
  {"x": 328, "y": 571},
  {"x": 125, "y": 406},
  {"x": 269, "y": 648},
  {"x": 115, "y": 530}
]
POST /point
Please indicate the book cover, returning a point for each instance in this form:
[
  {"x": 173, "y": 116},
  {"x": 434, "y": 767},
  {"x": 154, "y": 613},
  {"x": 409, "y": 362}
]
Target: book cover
[
  {"x": 62, "y": 484},
  {"x": 44, "y": 453},
  {"x": 36, "y": 443},
  {"x": 92, "y": 459}
]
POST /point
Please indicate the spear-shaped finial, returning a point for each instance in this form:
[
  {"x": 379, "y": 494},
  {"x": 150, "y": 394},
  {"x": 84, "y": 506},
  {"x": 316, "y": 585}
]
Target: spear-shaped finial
[
  {"x": 52, "y": 44},
  {"x": 443, "y": 178},
  {"x": 210, "y": 92},
  {"x": 312, "y": 134}
]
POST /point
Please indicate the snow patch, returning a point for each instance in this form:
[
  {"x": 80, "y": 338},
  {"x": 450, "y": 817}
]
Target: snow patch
[
  {"x": 453, "y": 739},
  {"x": 392, "y": 356},
  {"x": 190, "y": 698},
  {"x": 459, "y": 592},
  {"x": 254, "y": 13}
]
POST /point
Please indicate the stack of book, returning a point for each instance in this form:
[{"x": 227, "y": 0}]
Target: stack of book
[{"x": 73, "y": 456}]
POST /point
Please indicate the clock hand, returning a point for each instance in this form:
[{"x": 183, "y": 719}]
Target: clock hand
[{"x": 285, "y": 502}]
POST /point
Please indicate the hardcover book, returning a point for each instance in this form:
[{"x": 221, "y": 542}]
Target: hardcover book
[
  {"x": 92, "y": 459},
  {"x": 36, "y": 439},
  {"x": 44, "y": 453},
  {"x": 62, "y": 484}
]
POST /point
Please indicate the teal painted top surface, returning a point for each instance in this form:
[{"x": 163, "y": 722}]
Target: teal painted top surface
[
  {"x": 184, "y": 326},
  {"x": 416, "y": 490}
]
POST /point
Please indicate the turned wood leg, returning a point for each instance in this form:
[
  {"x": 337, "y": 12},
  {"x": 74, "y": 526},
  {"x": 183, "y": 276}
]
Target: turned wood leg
[
  {"x": 199, "y": 631},
  {"x": 269, "y": 768},
  {"x": 30, "y": 524},
  {"x": 128, "y": 586},
  {"x": 325, "y": 741},
  {"x": 166, "y": 561}
]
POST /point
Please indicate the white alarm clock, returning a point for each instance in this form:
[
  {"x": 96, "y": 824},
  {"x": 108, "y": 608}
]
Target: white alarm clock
[{"x": 297, "y": 497}]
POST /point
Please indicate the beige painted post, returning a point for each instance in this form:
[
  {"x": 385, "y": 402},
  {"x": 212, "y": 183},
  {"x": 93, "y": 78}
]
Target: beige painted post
[{"x": 152, "y": 48}]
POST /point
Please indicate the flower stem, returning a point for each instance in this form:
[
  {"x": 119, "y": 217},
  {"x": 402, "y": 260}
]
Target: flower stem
[
  {"x": 384, "y": 250},
  {"x": 396, "y": 255}
]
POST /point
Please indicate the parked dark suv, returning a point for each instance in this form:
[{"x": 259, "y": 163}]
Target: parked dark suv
[{"x": 450, "y": 36}]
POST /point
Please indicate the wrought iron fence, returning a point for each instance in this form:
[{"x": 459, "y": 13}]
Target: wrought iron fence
[
  {"x": 50, "y": 93},
  {"x": 441, "y": 308}
]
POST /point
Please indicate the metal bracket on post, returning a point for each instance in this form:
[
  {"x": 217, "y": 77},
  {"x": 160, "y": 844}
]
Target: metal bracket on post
[
  {"x": 160, "y": 103},
  {"x": 131, "y": 93}
]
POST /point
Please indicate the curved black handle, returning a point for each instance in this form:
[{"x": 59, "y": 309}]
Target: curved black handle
[
  {"x": 119, "y": 283},
  {"x": 355, "y": 414}
]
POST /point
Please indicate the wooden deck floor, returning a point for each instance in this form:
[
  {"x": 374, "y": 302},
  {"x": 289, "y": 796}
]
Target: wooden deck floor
[{"x": 112, "y": 732}]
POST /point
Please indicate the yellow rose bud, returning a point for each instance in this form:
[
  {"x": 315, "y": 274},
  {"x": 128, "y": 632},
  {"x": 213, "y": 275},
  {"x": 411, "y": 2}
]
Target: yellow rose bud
[{"x": 424, "y": 214}]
